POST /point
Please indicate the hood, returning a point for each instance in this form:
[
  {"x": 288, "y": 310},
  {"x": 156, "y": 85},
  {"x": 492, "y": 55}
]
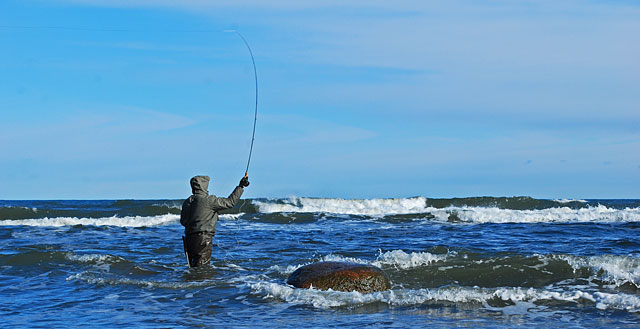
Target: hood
[{"x": 200, "y": 185}]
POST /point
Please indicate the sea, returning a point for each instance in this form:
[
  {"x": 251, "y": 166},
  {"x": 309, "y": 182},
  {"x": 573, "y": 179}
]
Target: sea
[{"x": 496, "y": 262}]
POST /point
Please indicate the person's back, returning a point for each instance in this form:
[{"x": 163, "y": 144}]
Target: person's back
[{"x": 199, "y": 217}]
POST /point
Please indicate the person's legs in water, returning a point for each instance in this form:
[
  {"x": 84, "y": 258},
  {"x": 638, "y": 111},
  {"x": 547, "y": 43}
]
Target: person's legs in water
[{"x": 199, "y": 248}]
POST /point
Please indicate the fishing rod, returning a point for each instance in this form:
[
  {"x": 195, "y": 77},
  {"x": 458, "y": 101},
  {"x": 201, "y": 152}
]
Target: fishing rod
[{"x": 255, "y": 115}]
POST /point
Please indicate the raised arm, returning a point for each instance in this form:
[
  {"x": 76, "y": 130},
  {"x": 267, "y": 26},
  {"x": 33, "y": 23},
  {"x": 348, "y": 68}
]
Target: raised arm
[{"x": 226, "y": 203}]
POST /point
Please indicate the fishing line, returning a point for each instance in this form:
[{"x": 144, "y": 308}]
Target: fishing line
[{"x": 255, "y": 78}]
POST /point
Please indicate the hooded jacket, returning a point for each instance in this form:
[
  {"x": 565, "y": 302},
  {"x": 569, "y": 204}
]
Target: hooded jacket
[{"x": 200, "y": 211}]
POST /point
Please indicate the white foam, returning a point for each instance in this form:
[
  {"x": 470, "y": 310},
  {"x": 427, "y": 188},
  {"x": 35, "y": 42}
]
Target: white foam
[
  {"x": 129, "y": 221},
  {"x": 371, "y": 207},
  {"x": 34, "y": 209},
  {"x": 407, "y": 297},
  {"x": 327, "y": 258},
  {"x": 172, "y": 205},
  {"x": 403, "y": 260},
  {"x": 394, "y": 258},
  {"x": 94, "y": 278},
  {"x": 598, "y": 213},
  {"x": 626, "y": 302},
  {"x": 570, "y": 200},
  {"x": 231, "y": 216},
  {"x": 615, "y": 269},
  {"x": 620, "y": 269},
  {"x": 417, "y": 205},
  {"x": 92, "y": 258}
]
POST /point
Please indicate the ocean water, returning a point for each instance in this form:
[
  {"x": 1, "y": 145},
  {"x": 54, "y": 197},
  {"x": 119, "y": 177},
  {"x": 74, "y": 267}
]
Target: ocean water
[{"x": 466, "y": 262}]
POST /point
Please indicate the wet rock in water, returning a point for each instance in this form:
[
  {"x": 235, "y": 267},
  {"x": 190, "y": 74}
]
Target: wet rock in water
[{"x": 340, "y": 276}]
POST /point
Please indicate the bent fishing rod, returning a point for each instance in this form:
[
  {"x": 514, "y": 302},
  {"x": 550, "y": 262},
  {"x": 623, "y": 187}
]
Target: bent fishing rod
[{"x": 255, "y": 115}]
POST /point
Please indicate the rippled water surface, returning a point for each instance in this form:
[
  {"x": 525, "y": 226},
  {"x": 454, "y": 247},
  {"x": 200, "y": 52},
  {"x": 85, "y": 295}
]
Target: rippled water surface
[{"x": 491, "y": 262}]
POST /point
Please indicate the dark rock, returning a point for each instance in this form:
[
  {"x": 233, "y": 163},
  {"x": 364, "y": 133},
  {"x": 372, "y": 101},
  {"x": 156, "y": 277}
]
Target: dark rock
[{"x": 340, "y": 276}]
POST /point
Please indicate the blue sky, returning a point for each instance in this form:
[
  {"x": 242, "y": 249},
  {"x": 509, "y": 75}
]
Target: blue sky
[{"x": 128, "y": 99}]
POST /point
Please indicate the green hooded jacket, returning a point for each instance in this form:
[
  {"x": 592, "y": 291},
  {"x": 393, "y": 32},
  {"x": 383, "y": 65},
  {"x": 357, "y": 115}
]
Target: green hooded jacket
[{"x": 200, "y": 211}]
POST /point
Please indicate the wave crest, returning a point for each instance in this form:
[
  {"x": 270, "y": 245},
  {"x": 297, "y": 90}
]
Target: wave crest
[
  {"x": 614, "y": 269},
  {"x": 514, "y": 296},
  {"x": 128, "y": 221},
  {"x": 393, "y": 258},
  {"x": 371, "y": 207},
  {"x": 483, "y": 210}
]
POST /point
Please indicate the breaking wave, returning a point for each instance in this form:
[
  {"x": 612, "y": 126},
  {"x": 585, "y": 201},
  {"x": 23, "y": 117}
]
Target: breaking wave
[
  {"x": 348, "y": 207},
  {"x": 611, "y": 269},
  {"x": 506, "y": 299},
  {"x": 306, "y": 210},
  {"x": 394, "y": 258},
  {"x": 604, "y": 270},
  {"x": 614, "y": 270},
  {"x": 551, "y": 215},
  {"x": 485, "y": 210},
  {"x": 129, "y": 221}
]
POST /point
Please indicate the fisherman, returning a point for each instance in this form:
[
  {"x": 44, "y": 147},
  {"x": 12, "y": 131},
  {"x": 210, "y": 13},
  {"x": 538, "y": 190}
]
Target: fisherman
[{"x": 199, "y": 217}]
